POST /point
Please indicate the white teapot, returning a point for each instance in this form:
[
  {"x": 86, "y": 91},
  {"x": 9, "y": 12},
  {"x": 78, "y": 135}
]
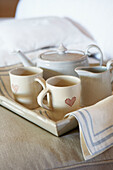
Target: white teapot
[{"x": 62, "y": 60}]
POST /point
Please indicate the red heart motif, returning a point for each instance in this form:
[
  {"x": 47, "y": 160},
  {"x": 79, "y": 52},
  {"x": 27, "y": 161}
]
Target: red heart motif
[
  {"x": 15, "y": 88},
  {"x": 70, "y": 102}
]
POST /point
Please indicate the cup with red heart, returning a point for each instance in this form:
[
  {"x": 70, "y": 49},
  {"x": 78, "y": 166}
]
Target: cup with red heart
[{"x": 63, "y": 93}]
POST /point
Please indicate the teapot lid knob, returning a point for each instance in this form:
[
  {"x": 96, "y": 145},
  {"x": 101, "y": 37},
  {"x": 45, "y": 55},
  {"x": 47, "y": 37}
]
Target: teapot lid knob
[{"x": 61, "y": 49}]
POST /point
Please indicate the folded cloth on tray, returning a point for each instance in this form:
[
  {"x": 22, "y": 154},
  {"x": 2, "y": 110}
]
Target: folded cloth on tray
[{"x": 96, "y": 127}]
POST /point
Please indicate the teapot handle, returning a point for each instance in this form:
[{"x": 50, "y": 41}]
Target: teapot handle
[
  {"x": 89, "y": 53},
  {"x": 109, "y": 64}
]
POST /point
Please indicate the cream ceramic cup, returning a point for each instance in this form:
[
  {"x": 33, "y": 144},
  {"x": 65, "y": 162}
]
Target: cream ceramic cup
[
  {"x": 63, "y": 93},
  {"x": 24, "y": 87}
]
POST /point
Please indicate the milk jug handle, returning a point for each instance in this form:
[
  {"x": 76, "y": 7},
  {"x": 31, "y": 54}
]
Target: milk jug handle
[{"x": 89, "y": 53}]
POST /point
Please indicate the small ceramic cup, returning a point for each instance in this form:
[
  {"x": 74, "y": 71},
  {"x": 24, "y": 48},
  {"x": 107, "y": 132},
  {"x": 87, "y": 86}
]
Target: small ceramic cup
[
  {"x": 24, "y": 87},
  {"x": 63, "y": 93}
]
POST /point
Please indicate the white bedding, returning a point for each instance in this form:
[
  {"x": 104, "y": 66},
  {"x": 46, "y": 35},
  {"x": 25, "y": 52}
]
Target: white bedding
[
  {"x": 95, "y": 15},
  {"x": 29, "y": 35}
]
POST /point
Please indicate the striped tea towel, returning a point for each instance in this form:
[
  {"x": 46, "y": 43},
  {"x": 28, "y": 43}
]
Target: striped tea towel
[{"x": 96, "y": 127}]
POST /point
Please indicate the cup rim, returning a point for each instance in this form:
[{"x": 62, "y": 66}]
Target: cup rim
[
  {"x": 26, "y": 68},
  {"x": 78, "y": 81},
  {"x": 102, "y": 69}
]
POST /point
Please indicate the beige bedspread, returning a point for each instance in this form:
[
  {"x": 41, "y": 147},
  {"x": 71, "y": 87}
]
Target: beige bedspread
[{"x": 26, "y": 146}]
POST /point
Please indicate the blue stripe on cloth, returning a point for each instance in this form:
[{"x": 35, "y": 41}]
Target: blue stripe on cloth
[
  {"x": 83, "y": 132},
  {"x": 1, "y": 92},
  {"x": 92, "y": 125},
  {"x": 4, "y": 75},
  {"x": 88, "y": 131},
  {"x": 99, "y": 141},
  {"x": 5, "y": 88},
  {"x": 6, "y": 70},
  {"x": 103, "y": 149}
]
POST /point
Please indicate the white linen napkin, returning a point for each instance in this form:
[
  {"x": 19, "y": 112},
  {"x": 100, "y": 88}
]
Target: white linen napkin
[{"x": 96, "y": 127}]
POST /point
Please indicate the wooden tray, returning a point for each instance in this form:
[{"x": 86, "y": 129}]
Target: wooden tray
[{"x": 45, "y": 119}]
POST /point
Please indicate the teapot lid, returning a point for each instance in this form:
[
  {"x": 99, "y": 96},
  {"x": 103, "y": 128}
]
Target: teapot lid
[{"x": 62, "y": 54}]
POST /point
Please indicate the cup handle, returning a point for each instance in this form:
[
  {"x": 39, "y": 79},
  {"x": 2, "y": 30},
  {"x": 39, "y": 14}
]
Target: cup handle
[
  {"x": 40, "y": 80},
  {"x": 95, "y": 46},
  {"x": 43, "y": 93},
  {"x": 41, "y": 96}
]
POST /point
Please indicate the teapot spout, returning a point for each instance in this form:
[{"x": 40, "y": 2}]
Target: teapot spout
[{"x": 24, "y": 59}]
